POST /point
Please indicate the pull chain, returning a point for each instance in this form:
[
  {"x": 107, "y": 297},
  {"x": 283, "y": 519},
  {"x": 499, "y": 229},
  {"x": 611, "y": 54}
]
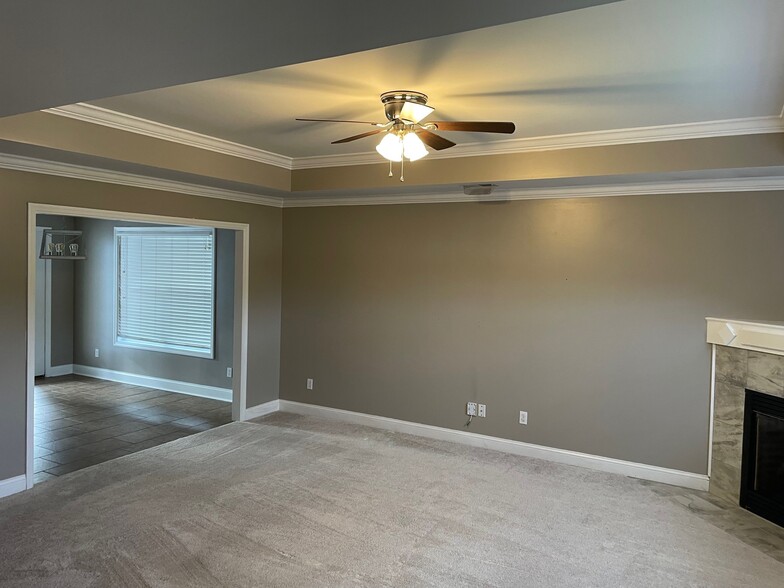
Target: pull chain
[
  {"x": 390, "y": 168},
  {"x": 402, "y": 159}
]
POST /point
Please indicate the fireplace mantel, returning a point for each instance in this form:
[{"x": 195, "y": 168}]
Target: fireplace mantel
[{"x": 767, "y": 337}]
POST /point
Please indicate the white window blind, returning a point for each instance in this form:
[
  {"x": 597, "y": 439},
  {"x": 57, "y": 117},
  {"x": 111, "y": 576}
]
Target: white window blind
[{"x": 166, "y": 289}]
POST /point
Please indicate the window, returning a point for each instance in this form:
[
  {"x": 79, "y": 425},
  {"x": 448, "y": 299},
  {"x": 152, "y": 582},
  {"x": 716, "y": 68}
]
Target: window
[{"x": 165, "y": 295}]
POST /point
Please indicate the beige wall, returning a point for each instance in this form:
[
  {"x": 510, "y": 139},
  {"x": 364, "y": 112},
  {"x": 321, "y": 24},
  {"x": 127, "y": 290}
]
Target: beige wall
[
  {"x": 62, "y": 287},
  {"x": 720, "y": 154},
  {"x": 587, "y": 313},
  {"x": 66, "y": 134},
  {"x": 94, "y": 307},
  {"x": 687, "y": 155},
  {"x": 17, "y": 189}
]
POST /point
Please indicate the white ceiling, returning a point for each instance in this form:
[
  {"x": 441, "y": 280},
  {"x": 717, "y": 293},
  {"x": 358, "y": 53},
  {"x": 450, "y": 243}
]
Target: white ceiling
[{"x": 628, "y": 64}]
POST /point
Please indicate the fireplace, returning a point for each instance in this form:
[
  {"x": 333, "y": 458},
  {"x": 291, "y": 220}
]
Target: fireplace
[
  {"x": 747, "y": 421},
  {"x": 762, "y": 464}
]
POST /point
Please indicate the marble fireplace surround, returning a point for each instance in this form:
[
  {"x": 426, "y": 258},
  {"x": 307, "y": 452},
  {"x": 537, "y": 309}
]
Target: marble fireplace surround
[{"x": 747, "y": 354}]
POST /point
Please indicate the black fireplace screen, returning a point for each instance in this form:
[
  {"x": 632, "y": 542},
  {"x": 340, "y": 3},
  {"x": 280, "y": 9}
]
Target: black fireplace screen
[{"x": 762, "y": 475}]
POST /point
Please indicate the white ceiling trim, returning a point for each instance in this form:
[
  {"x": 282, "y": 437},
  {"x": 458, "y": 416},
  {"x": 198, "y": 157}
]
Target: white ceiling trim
[
  {"x": 141, "y": 126},
  {"x": 41, "y": 166},
  {"x": 752, "y": 184},
  {"x": 697, "y": 130},
  {"x": 68, "y": 170}
]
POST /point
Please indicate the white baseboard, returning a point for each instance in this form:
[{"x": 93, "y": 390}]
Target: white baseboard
[
  {"x": 260, "y": 410},
  {"x": 213, "y": 392},
  {"x": 586, "y": 460},
  {"x": 12, "y": 485},
  {"x": 54, "y": 371}
]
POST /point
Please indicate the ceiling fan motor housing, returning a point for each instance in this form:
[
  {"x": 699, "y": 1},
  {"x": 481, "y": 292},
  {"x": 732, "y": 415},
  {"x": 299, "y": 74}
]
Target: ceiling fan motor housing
[{"x": 395, "y": 101}]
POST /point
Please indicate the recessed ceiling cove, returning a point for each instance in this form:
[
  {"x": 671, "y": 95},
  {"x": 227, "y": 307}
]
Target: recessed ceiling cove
[{"x": 623, "y": 65}]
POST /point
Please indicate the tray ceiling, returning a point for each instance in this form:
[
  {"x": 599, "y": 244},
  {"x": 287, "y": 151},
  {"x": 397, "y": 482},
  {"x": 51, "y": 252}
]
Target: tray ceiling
[{"x": 628, "y": 64}]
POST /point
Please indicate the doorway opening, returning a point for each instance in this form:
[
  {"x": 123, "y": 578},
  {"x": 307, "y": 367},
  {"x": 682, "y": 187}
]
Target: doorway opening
[{"x": 139, "y": 339}]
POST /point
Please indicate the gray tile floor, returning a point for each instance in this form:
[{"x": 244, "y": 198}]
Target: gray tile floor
[{"x": 82, "y": 421}]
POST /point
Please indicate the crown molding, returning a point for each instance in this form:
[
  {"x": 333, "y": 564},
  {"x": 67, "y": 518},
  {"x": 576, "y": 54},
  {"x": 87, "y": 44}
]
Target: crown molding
[
  {"x": 752, "y": 184},
  {"x": 68, "y": 170},
  {"x": 141, "y": 126},
  {"x": 673, "y": 132}
]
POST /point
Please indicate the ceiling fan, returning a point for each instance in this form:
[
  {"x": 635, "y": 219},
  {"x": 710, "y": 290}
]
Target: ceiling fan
[{"x": 405, "y": 135}]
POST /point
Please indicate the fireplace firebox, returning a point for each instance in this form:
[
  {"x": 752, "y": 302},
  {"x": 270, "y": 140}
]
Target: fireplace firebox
[{"x": 762, "y": 465}]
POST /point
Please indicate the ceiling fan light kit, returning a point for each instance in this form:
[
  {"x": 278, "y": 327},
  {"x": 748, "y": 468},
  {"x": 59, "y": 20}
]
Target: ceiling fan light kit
[
  {"x": 413, "y": 147},
  {"x": 391, "y": 147},
  {"x": 405, "y": 136}
]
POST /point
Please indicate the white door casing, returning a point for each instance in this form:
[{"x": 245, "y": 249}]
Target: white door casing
[{"x": 40, "y": 308}]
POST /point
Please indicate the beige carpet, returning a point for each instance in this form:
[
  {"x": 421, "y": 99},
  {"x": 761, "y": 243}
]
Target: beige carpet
[{"x": 295, "y": 501}]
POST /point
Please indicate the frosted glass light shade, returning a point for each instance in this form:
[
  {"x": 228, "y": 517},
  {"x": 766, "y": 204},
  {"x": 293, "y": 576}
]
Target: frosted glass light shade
[
  {"x": 413, "y": 147},
  {"x": 391, "y": 147},
  {"x": 415, "y": 112}
]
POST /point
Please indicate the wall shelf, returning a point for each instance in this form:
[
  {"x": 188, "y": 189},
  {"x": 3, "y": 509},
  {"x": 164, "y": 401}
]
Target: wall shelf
[
  {"x": 58, "y": 244},
  {"x": 63, "y": 257}
]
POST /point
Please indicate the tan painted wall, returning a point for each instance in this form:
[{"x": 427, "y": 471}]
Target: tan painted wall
[
  {"x": 688, "y": 155},
  {"x": 588, "y": 313},
  {"x": 715, "y": 153},
  {"x": 62, "y": 310},
  {"x": 58, "y": 132},
  {"x": 94, "y": 307},
  {"x": 17, "y": 189}
]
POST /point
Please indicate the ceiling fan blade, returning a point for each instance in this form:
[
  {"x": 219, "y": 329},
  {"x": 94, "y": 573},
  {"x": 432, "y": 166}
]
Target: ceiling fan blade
[
  {"x": 474, "y": 127},
  {"x": 360, "y": 136},
  {"x": 433, "y": 140},
  {"x": 360, "y": 122}
]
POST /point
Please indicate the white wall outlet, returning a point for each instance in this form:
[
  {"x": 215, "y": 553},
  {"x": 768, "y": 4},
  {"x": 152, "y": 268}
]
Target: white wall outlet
[
  {"x": 471, "y": 409},
  {"x": 523, "y": 417},
  {"x": 310, "y": 383},
  {"x": 97, "y": 352},
  {"x": 229, "y": 372},
  {"x": 482, "y": 410}
]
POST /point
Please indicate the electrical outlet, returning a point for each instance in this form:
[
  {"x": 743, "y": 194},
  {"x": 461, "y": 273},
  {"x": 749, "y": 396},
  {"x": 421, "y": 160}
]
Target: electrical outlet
[
  {"x": 523, "y": 417},
  {"x": 471, "y": 409},
  {"x": 97, "y": 352},
  {"x": 229, "y": 372},
  {"x": 310, "y": 383},
  {"x": 482, "y": 410}
]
